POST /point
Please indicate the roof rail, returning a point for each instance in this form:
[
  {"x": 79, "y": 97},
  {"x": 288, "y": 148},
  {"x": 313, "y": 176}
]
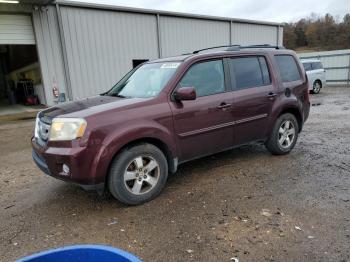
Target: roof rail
[
  {"x": 238, "y": 47},
  {"x": 263, "y": 46},
  {"x": 214, "y": 47}
]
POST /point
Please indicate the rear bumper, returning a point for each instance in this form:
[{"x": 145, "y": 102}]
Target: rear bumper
[
  {"x": 51, "y": 160},
  {"x": 306, "y": 111}
]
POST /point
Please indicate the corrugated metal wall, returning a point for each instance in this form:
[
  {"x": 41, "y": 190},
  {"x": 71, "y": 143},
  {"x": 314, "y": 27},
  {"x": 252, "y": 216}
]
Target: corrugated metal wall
[
  {"x": 252, "y": 34},
  {"x": 101, "y": 45},
  {"x": 336, "y": 64},
  {"x": 184, "y": 35},
  {"x": 49, "y": 51}
]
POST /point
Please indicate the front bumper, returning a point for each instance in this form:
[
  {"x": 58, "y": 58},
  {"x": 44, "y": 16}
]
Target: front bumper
[
  {"x": 50, "y": 160},
  {"x": 40, "y": 162}
]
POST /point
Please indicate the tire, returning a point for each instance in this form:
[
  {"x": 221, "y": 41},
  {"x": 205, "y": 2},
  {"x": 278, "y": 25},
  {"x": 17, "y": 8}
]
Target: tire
[
  {"x": 278, "y": 143},
  {"x": 316, "y": 87},
  {"x": 138, "y": 174}
]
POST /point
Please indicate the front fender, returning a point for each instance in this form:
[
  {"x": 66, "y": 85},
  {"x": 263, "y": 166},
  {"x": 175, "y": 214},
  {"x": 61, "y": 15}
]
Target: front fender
[{"x": 126, "y": 134}]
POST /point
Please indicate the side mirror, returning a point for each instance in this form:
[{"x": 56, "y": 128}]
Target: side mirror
[{"x": 185, "y": 93}]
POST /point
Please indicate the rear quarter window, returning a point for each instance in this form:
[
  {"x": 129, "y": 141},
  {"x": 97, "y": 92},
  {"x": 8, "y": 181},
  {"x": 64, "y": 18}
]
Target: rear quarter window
[{"x": 288, "y": 68}]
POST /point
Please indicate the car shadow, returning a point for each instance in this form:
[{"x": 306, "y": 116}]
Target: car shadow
[{"x": 186, "y": 172}]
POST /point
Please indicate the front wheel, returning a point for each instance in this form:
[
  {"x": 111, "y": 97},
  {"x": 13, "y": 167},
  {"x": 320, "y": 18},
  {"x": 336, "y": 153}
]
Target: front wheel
[
  {"x": 138, "y": 174},
  {"x": 284, "y": 135}
]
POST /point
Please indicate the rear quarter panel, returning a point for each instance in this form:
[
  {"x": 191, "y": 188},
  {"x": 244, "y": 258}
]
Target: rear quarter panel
[{"x": 296, "y": 99}]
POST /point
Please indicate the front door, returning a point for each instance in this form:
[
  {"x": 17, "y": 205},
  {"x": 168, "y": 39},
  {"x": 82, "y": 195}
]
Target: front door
[{"x": 205, "y": 125}]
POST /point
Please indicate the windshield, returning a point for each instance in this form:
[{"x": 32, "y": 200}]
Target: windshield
[{"x": 146, "y": 81}]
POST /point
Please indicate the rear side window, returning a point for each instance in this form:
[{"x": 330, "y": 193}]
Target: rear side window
[
  {"x": 250, "y": 72},
  {"x": 307, "y": 66},
  {"x": 317, "y": 65},
  {"x": 206, "y": 77},
  {"x": 288, "y": 68},
  {"x": 264, "y": 70}
]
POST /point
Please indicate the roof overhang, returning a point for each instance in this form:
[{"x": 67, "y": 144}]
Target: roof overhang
[
  {"x": 159, "y": 12},
  {"x": 23, "y": 6},
  {"x": 35, "y": 2}
]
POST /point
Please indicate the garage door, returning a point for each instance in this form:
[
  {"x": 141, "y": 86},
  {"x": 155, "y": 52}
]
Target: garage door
[{"x": 16, "y": 30}]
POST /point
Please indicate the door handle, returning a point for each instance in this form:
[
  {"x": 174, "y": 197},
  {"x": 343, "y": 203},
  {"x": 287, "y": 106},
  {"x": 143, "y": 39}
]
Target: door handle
[
  {"x": 271, "y": 95},
  {"x": 223, "y": 105}
]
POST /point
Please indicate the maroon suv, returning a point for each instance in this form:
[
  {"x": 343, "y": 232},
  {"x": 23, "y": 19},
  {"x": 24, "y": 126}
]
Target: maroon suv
[{"x": 172, "y": 110}]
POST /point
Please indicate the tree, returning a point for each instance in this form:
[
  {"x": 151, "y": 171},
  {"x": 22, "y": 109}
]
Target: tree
[
  {"x": 346, "y": 20},
  {"x": 289, "y": 36},
  {"x": 299, "y": 29},
  {"x": 318, "y": 32},
  {"x": 312, "y": 35}
]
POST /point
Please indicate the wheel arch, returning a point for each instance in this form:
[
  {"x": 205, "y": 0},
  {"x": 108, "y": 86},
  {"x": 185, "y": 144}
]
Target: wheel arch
[
  {"x": 296, "y": 112},
  {"x": 318, "y": 80},
  {"x": 169, "y": 155}
]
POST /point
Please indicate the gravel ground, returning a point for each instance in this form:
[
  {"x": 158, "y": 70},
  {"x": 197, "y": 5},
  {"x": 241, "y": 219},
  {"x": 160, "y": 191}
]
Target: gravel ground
[{"x": 244, "y": 203}]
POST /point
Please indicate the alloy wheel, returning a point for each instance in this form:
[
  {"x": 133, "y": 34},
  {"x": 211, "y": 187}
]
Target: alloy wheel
[
  {"x": 286, "y": 134},
  {"x": 141, "y": 175}
]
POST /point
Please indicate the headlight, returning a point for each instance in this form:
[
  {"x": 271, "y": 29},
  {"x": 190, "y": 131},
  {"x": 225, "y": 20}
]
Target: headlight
[{"x": 67, "y": 129}]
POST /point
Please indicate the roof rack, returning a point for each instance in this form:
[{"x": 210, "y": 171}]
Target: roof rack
[
  {"x": 214, "y": 47},
  {"x": 263, "y": 46},
  {"x": 239, "y": 47}
]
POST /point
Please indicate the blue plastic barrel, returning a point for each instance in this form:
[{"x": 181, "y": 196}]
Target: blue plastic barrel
[{"x": 82, "y": 253}]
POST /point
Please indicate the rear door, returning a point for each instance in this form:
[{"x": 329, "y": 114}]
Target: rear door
[
  {"x": 254, "y": 94},
  {"x": 205, "y": 125}
]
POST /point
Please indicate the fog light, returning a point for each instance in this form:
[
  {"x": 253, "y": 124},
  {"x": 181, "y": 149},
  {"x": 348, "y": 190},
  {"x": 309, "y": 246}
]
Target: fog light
[{"x": 65, "y": 169}]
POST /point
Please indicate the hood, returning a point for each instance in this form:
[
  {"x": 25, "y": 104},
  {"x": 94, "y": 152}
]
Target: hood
[{"x": 87, "y": 106}]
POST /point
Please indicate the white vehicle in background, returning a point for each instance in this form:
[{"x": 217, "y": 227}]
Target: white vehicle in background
[{"x": 315, "y": 73}]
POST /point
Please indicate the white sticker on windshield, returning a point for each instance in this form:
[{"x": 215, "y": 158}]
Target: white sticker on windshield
[{"x": 170, "y": 65}]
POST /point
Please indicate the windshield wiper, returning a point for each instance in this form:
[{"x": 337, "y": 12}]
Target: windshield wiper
[
  {"x": 121, "y": 96},
  {"x": 115, "y": 95}
]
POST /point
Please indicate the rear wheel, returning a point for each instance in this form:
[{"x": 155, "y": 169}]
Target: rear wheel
[
  {"x": 316, "y": 88},
  {"x": 284, "y": 135},
  {"x": 138, "y": 174}
]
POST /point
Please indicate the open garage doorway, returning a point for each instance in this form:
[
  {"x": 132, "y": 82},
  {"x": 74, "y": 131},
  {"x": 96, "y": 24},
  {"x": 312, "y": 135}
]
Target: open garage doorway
[
  {"x": 21, "y": 87},
  {"x": 20, "y": 78}
]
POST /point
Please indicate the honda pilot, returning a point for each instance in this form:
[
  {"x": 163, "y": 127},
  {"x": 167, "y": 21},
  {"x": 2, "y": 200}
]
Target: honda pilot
[{"x": 170, "y": 111}]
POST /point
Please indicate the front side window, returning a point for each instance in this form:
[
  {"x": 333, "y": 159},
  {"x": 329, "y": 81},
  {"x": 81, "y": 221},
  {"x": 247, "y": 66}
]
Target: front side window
[
  {"x": 146, "y": 81},
  {"x": 206, "y": 77},
  {"x": 288, "y": 68},
  {"x": 250, "y": 72}
]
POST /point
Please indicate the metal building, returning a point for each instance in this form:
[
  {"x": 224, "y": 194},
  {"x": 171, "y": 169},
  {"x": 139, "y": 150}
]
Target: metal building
[{"x": 83, "y": 49}]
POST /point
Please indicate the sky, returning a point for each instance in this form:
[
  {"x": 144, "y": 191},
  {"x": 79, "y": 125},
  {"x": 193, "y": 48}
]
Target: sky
[{"x": 264, "y": 10}]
